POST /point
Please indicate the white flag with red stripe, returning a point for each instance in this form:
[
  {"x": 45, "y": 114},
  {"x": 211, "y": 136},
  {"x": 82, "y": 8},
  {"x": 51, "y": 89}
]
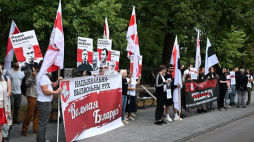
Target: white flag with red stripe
[
  {"x": 198, "y": 54},
  {"x": 9, "y": 50},
  {"x": 54, "y": 57},
  {"x": 133, "y": 44},
  {"x": 175, "y": 61},
  {"x": 106, "y": 29}
]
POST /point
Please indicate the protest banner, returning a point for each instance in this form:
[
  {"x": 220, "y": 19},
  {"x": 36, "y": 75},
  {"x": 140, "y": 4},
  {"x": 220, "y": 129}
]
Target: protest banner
[
  {"x": 26, "y": 49},
  {"x": 114, "y": 63},
  {"x": 96, "y": 63},
  {"x": 200, "y": 93},
  {"x": 91, "y": 105},
  {"x": 104, "y": 47},
  {"x": 85, "y": 54},
  {"x": 139, "y": 63}
]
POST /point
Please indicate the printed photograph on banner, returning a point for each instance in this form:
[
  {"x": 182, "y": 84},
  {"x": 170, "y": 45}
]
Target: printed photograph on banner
[
  {"x": 96, "y": 63},
  {"x": 114, "y": 63},
  {"x": 26, "y": 49},
  {"x": 85, "y": 54},
  {"x": 139, "y": 64},
  {"x": 194, "y": 73},
  {"x": 91, "y": 105},
  {"x": 104, "y": 47},
  {"x": 68, "y": 73}
]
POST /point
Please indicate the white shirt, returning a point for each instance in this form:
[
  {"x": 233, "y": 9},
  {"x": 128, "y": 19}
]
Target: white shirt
[
  {"x": 44, "y": 80},
  {"x": 249, "y": 83},
  {"x": 132, "y": 85},
  {"x": 186, "y": 72},
  {"x": 16, "y": 80}
]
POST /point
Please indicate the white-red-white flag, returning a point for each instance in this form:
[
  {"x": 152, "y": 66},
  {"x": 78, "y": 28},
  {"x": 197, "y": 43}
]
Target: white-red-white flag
[
  {"x": 198, "y": 54},
  {"x": 9, "y": 50},
  {"x": 106, "y": 29},
  {"x": 54, "y": 57},
  {"x": 133, "y": 44},
  {"x": 175, "y": 61}
]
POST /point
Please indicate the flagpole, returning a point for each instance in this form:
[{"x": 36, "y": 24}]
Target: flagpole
[
  {"x": 179, "y": 103},
  {"x": 58, "y": 108}
]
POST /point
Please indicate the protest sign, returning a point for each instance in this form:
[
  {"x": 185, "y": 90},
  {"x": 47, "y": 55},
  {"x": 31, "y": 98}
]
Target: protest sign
[
  {"x": 27, "y": 49},
  {"x": 96, "y": 63},
  {"x": 104, "y": 48},
  {"x": 68, "y": 73},
  {"x": 200, "y": 93},
  {"x": 85, "y": 54},
  {"x": 114, "y": 63},
  {"x": 194, "y": 73},
  {"x": 91, "y": 105},
  {"x": 232, "y": 76},
  {"x": 139, "y": 65}
]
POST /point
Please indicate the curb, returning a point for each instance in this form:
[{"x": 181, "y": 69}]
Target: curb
[{"x": 212, "y": 128}]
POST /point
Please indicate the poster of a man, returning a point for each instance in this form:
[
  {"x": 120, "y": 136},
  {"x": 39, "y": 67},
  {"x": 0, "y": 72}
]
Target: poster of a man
[
  {"x": 27, "y": 50},
  {"x": 104, "y": 48},
  {"x": 85, "y": 54},
  {"x": 96, "y": 63},
  {"x": 111, "y": 68}
]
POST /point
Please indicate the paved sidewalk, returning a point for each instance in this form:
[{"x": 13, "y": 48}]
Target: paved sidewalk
[{"x": 143, "y": 128}]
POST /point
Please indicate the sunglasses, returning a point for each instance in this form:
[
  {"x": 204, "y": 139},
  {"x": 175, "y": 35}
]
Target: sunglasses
[{"x": 170, "y": 68}]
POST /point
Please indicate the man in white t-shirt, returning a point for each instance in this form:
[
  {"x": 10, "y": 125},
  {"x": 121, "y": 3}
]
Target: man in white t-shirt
[
  {"x": 44, "y": 102},
  {"x": 16, "y": 80},
  {"x": 249, "y": 85},
  {"x": 187, "y": 71}
]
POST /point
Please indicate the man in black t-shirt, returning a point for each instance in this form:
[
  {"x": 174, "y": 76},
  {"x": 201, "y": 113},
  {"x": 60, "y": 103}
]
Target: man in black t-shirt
[
  {"x": 169, "y": 102},
  {"x": 201, "y": 77}
]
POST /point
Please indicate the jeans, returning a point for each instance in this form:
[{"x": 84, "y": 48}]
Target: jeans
[
  {"x": 15, "y": 103},
  {"x": 226, "y": 98},
  {"x": 209, "y": 106},
  {"x": 232, "y": 96},
  {"x": 124, "y": 101}
]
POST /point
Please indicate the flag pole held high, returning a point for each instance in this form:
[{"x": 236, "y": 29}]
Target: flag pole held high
[
  {"x": 54, "y": 57},
  {"x": 198, "y": 54},
  {"x": 106, "y": 29},
  {"x": 133, "y": 44}
]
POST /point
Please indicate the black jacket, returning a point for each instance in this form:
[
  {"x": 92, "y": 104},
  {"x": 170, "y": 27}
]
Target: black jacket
[
  {"x": 159, "y": 84},
  {"x": 241, "y": 81}
]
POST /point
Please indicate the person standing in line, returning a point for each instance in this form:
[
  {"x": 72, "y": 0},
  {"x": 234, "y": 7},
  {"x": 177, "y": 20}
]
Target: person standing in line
[
  {"x": 226, "y": 96},
  {"x": 16, "y": 79},
  {"x": 233, "y": 88},
  {"x": 223, "y": 89},
  {"x": 44, "y": 102},
  {"x": 241, "y": 87},
  {"x": 31, "y": 94},
  {"x": 249, "y": 85},
  {"x": 211, "y": 74},
  {"x": 131, "y": 95},
  {"x": 161, "y": 89},
  {"x": 4, "y": 107},
  {"x": 169, "y": 102},
  {"x": 124, "y": 93},
  {"x": 201, "y": 78}
]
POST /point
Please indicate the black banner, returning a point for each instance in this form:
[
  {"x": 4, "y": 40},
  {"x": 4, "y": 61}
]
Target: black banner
[{"x": 200, "y": 93}]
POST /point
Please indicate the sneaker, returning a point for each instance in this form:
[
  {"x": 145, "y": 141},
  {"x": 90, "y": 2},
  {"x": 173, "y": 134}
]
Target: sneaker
[
  {"x": 126, "y": 119},
  {"x": 203, "y": 110},
  {"x": 163, "y": 122},
  {"x": 23, "y": 133},
  {"x": 238, "y": 106},
  {"x": 125, "y": 122},
  {"x": 198, "y": 111},
  {"x": 221, "y": 109},
  {"x": 132, "y": 114},
  {"x": 182, "y": 115},
  {"x": 131, "y": 118},
  {"x": 211, "y": 109},
  {"x": 157, "y": 123},
  {"x": 177, "y": 118},
  {"x": 228, "y": 106},
  {"x": 168, "y": 119}
]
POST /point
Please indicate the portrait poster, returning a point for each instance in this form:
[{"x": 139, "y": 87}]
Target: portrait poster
[
  {"x": 104, "y": 47},
  {"x": 194, "y": 73},
  {"x": 26, "y": 49},
  {"x": 85, "y": 54},
  {"x": 139, "y": 65},
  {"x": 67, "y": 73},
  {"x": 114, "y": 63},
  {"x": 96, "y": 63}
]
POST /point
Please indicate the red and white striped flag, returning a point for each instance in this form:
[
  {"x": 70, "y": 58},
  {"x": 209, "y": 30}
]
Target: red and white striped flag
[
  {"x": 9, "y": 51},
  {"x": 54, "y": 57},
  {"x": 106, "y": 29},
  {"x": 198, "y": 54},
  {"x": 175, "y": 61},
  {"x": 133, "y": 44}
]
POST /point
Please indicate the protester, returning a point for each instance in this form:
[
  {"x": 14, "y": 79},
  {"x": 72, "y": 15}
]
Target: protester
[
  {"x": 161, "y": 95},
  {"x": 233, "y": 89},
  {"x": 187, "y": 71},
  {"x": 201, "y": 78},
  {"x": 227, "y": 93},
  {"x": 188, "y": 77},
  {"x": 44, "y": 102},
  {"x": 6, "y": 127},
  {"x": 131, "y": 95},
  {"x": 16, "y": 79},
  {"x": 124, "y": 93},
  {"x": 169, "y": 102},
  {"x": 31, "y": 94},
  {"x": 223, "y": 84},
  {"x": 241, "y": 87},
  {"x": 249, "y": 85},
  {"x": 4, "y": 106},
  {"x": 211, "y": 74}
]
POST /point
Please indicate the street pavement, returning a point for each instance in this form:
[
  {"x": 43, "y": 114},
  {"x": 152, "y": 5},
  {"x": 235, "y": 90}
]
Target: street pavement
[{"x": 143, "y": 128}]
